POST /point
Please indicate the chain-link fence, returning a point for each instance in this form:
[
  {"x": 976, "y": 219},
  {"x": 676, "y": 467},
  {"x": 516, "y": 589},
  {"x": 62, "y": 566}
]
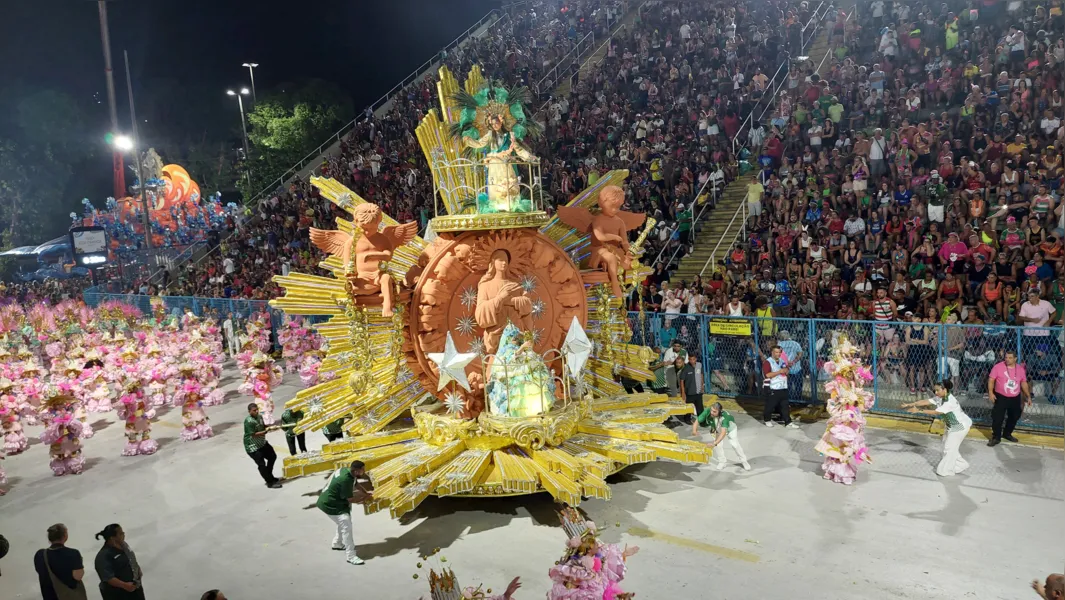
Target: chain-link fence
[
  {"x": 906, "y": 359},
  {"x": 219, "y": 308}
]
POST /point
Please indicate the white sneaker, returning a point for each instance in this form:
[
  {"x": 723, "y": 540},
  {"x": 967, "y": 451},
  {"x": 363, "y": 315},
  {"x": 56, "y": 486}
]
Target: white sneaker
[
  {"x": 356, "y": 561},
  {"x": 746, "y": 466},
  {"x": 338, "y": 547},
  {"x": 769, "y": 424},
  {"x": 719, "y": 466},
  {"x": 793, "y": 425}
]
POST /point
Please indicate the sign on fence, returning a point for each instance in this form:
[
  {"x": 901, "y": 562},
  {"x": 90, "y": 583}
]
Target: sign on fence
[{"x": 733, "y": 327}]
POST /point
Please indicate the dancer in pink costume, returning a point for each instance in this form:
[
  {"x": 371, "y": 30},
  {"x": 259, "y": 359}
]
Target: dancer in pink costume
[
  {"x": 590, "y": 569},
  {"x": 260, "y": 381},
  {"x": 157, "y": 372},
  {"x": 30, "y": 390},
  {"x": 843, "y": 443},
  {"x": 193, "y": 418},
  {"x": 64, "y": 432},
  {"x": 14, "y": 437},
  {"x": 138, "y": 416},
  {"x": 208, "y": 374},
  {"x": 296, "y": 342},
  {"x": 70, "y": 374},
  {"x": 94, "y": 382}
]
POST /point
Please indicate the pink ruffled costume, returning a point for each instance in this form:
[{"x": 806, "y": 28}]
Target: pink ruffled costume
[
  {"x": 138, "y": 417},
  {"x": 194, "y": 420},
  {"x": 843, "y": 443},
  {"x": 63, "y": 434}
]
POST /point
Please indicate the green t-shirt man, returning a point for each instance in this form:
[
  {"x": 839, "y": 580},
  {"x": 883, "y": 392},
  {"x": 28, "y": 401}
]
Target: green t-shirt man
[
  {"x": 289, "y": 419},
  {"x": 334, "y": 499},
  {"x": 253, "y": 425},
  {"x": 335, "y": 427},
  {"x": 835, "y": 112}
]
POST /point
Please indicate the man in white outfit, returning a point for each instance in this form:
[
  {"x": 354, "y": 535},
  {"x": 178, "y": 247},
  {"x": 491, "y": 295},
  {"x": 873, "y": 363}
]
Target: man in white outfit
[
  {"x": 231, "y": 337},
  {"x": 724, "y": 426}
]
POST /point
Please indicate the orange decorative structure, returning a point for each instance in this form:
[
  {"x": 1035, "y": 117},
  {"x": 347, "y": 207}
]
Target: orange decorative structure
[
  {"x": 176, "y": 190},
  {"x": 609, "y": 230},
  {"x": 438, "y": 355}
]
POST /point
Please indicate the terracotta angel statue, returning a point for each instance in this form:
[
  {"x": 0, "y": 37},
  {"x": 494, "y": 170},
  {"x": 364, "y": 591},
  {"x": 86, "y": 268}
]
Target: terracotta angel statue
[
  {"x": 373, "y": 246},
  {"x": 609, "y": 248}
]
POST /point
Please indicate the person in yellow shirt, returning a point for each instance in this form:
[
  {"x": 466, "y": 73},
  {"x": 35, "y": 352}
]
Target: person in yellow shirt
[
  {"x": 755, "y": 190},
  {"x": 1017, "y": 146}
]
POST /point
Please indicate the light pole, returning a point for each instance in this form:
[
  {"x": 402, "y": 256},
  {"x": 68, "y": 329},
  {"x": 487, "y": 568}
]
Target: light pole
[
  {"x": 244, "y": 129},
  {"x": 137, "y": 157},
  {"x": 118, "y": 171},
  {"x": 251, "y": 71}
]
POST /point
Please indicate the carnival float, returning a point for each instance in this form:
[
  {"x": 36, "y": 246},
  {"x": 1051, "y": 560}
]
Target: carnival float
[{"x": 483, "y": 359}]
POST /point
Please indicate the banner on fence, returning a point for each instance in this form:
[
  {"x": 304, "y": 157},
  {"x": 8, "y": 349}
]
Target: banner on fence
[{"x": 733, "y": 327}]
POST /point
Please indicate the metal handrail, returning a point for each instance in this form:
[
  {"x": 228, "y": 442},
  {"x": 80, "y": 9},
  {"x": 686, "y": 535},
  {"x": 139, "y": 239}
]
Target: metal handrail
[
  {"x": 740, "y": 212},
  {"x": 414, "y": 76},
  {"x": 565, "y": 60},
  {"x": 695, "y": 220},
  {"x": 742, "y": 208}
]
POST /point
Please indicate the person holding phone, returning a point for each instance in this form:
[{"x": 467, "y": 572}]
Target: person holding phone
[{"x": 1007, "y": 389}]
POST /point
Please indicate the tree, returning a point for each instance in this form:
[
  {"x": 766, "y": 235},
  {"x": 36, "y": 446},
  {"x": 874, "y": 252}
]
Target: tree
[
  {"x": 292, "y": 121},
  {"x": 42, "y": 140}
]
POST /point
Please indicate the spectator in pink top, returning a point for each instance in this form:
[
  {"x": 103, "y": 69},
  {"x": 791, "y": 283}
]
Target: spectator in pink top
[
  {"x": 1006, "y": 385},
  {"x": 953, "y": 252},
  {"x": 1036, "y": 314}
]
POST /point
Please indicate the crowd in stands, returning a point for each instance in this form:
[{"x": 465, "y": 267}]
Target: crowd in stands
[
  {"x": 651, "y": 106},
  {"x": 926, "y": 161}
]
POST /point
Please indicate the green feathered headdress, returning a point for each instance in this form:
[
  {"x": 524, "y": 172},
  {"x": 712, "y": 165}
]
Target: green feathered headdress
[{"x": 495, "y": 99}]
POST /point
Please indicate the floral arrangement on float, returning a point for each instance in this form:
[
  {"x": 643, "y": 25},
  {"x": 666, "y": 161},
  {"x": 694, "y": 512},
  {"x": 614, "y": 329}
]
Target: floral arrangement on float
[{"x": 843, "y": 443}]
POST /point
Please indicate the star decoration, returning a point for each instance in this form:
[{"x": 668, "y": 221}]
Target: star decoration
[
  {"x": 454, "y": 403},
  {"x": 452, "y": 364},
  {"x": 476, "y": 347},
  {"x": 465, "y": 325},
  {"x": 538, "y": 309},
  {"x": 536, "y": 335},
  {"x": 576, "y": 347},
  {"x": 344, "y": 200},
  {"x": 314, "y": 406},
  {"x": 528, "y": 283},
  {"x": 468, "y": 297}
]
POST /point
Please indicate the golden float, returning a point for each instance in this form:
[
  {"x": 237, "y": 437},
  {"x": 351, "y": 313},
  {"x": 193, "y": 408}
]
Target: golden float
[{"x": 482, "y": 360}]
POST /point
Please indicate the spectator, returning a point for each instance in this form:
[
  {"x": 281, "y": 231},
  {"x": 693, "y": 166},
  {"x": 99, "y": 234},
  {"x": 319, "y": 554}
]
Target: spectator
[
  {"x": 60, "y": 569},
  {"x": 116, "y": 565}
]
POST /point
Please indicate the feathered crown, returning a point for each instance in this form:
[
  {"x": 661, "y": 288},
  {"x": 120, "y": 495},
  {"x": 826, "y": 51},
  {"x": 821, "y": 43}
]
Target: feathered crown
[
  {"x": 6, "y": 384},
  {"x": 24, "y": 350},
  {"x": 259, "y": 358},
  {"x": 444, "y": 585},
  {"x": 58, "y": 394},
  {"x": 72, "y": 366},
  {"x": 573, "y": 522},
  {"x": 495, "y": 100},
  {"x": 132, "y": 383}
]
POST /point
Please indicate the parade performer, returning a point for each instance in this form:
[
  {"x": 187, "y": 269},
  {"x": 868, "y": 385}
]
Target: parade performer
[
  {"x": 208, "y": 374},
  {"x": 138, "y": 416},
  {"x": 722, "y": 425},
  {"x": 590, "y": 568},
  {"x": 295, "y": 344},
  {"x": 94, "y": 382},
  {"x": 945, "y": 405},
  {"x": 157, "y": 373},
  {"x": 843, "y": 443},
  {"x": 69, "y": 373},
  {"x": 193, "y": 419},
  {"x": 30, "y": 390},
  {"x": 260, "y": 380},
  {"x": 14, "y": 437},
  {"x": 63, "y": 432}
]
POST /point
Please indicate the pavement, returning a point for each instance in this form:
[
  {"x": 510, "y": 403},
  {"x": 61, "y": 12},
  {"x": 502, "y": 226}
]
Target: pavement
[{"x": 199, "y": 517}]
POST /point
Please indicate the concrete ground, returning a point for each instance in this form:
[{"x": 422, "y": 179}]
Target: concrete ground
[{"x": 199, "y": 517}]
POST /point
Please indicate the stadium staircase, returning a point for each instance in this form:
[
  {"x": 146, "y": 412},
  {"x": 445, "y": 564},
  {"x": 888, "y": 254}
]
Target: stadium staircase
[{"x": 724, "y": 225}]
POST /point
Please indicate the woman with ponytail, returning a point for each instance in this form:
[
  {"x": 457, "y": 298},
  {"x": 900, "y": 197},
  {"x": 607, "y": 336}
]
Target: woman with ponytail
[{"x": 116, "y": 564}]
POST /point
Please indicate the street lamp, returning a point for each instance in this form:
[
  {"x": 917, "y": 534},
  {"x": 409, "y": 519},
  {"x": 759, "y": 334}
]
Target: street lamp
[
  {"x": 244, "y": 128},
  {"x": 251, "y": 71},
  {"x": 123, "y": 143}
]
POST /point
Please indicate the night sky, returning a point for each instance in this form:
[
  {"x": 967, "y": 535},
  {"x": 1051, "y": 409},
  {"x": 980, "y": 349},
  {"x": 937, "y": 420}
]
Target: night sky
[{"x": 363, "y": 46}]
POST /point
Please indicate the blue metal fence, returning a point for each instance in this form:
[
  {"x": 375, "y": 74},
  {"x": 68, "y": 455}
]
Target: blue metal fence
[{"x": 906, "y": 358}]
